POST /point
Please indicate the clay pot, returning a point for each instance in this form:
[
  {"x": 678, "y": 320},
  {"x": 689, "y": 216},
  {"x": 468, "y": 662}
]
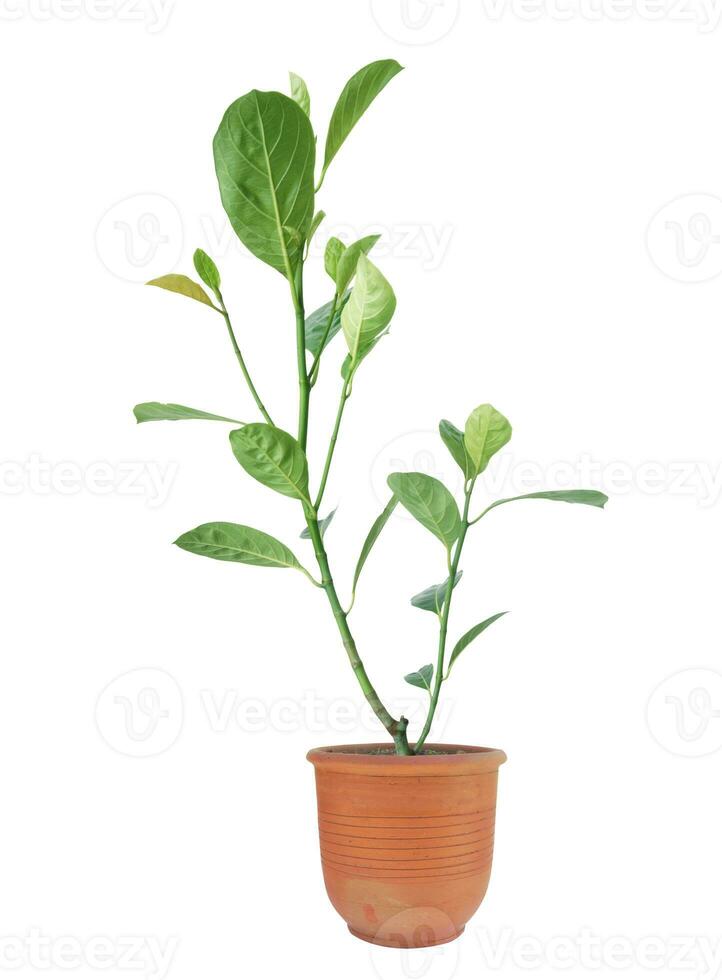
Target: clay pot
[{"x": 406, "y": 842}]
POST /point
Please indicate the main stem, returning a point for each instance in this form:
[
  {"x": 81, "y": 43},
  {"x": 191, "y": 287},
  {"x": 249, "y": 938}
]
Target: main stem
[
  {"x": 395, "y": 728},
  {"x": 444, "y": 625}
]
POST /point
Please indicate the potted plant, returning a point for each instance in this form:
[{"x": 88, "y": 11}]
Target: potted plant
[{"x": 406, "y": 826}]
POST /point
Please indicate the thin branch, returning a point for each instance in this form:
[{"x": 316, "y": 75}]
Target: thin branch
[{"x": 256, "y": 397}]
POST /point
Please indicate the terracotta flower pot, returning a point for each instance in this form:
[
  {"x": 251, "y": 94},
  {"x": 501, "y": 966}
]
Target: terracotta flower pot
[{"x": 406, "y": 842}]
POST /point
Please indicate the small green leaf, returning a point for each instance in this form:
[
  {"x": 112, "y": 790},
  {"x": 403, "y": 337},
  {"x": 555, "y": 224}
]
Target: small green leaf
[
  {"x": 421, "y": 677},
  {"x": 317, "y": 325},
  {"x": 184, "y": 286},
  {"x": 236, "y": 542},
  {"x": 348, "y": 260},
  {"x": 376, "y": 528},
  {"x": 273, "y": 457},
  {"x": 264, "y": 152},
  {"x": 322, "y": 525},
  {"x": 591, "y": 497},
  {"x": 207, "y": 269},
  {"x": 334, "y": 250},
  {"x": 299, "y": 92},
  {"x": 315, "y": 224},
  {"x": 486, "y": 432},
  {"x": 357, "y": 95},
  {"x": 453, "y": 439},
  {"x": 428, "y": 500},
  {"x": 158, "y": 412},
  {"x": 433, "y": 598},
  {"x": 368, "y": 311},
  {"x": 470, "y": 636}
]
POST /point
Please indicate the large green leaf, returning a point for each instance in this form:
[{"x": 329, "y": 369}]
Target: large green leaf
[
  {"x": 421, "y": 677},
  {"x": 299, "y": 92},
  {"x": 348, "y": 260},
  {"x": 207, "y": 269},
  {"x": 158, "y": 412},
  {"x": 368, "y": 311},
  {"x": 273, "y": 457},
  {"x": 594, "y": 498},
  {"x": 453, "y": 439},
  {"x": 357, "y": 95},
  {"x": 428, "y": 500},
  {"x": 318, "y": 331},
  {"x": 236, "y": 542},
  {"x": 432, "y": 599},
  {"x": 376, "y": 528},
  {"x": 486, "y": 432},
  {"x": 265, "y": 153},
  {"x": 184, "y": 286},
  {"x": 470, "y": 636}
]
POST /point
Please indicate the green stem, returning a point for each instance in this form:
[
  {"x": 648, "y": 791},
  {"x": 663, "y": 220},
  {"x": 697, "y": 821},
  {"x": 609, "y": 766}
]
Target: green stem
[
  {"x": 444, "y": 625},
  {"x": 304, "y": 385},
  {"x": 242, "y": 363},
  {"x": 395, "y": 728},
  {"x": 332, "y": 445}
]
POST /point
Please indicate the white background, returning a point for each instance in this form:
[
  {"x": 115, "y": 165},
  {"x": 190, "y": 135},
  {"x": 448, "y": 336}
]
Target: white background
[{"x": 521, "y": 170}]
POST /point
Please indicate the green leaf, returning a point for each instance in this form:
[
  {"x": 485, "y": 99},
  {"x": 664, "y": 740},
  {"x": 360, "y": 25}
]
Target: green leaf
[
  {"x": 265, "y": 153},
  {"x": 486, "y": 432},
  {"x": 317, "y": 323},
  {"x": 376, "y": 528},
  {"x": 236, "y": 542},
  {"x": 470, "y": 636},
  {"x": 428, "y": 500},
  {"x": 315, "y": 224},
  {"x": 334, "y": 250},
  {"x": 357, "y": 95},
  {"x": 299, "y": 92},
  {"x": 322, "y": 525},
  {"x": 207, "y": 269},
  {"x": 421, "y": 677},
  {"x": 273, "y": 457},
  {"x": 591, "y": 497},
  {"x": 348, "y": 260},
  {"x": 184, "y": 286},
  {"x": 158, "y": 412},
  {"x": 453, "y": 439},
  {"x": 433, "y": 598},
  {"x": 368, "y": 311}
]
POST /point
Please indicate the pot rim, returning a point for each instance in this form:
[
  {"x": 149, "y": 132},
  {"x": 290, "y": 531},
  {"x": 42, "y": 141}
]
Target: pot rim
[{"x": 355, "y": 758}]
